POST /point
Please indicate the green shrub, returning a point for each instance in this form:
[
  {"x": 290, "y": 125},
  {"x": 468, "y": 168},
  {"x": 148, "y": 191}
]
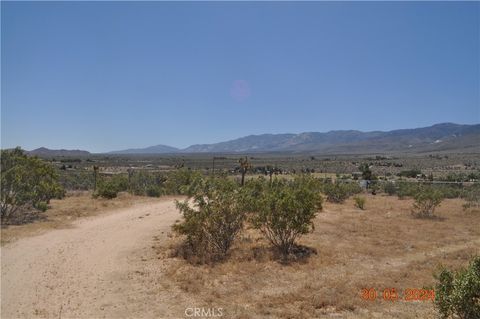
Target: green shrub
[
  {"x": 154, "y": 191},
  {"x": 449, "y": 190},
  {"x": 285, "y": 211},
  {"x": 360, "y": 202},
  {"x": 141, "y": 182},
  {"x": 427, "y": 199},
  {"x": 214, "y": 220},
  {"x": 390, "y": 188},
  {"x": 25, "y": 180},
  {"x": 457, "y": 294},
  {"x": 76, "y": 180},
  {"x": 406, "y": 189},
  {"x": 335, "y": 193},
  {"x": 472, "y": 197},
  {"x": 106, "y": 189},
  {"x": 182, "y": 181},
  {"x": 354, "y": 188}
]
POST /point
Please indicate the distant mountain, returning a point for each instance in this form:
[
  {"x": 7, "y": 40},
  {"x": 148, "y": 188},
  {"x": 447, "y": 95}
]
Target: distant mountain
[
  {"x": 157, "y": 149},
  {"x": 439, "y": 137},
  {"x": 45, "y": 152}
]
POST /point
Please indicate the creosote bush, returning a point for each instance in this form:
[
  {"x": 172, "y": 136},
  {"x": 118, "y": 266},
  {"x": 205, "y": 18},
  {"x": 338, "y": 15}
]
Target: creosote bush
[
  {"x": 457, "y": 294},
  {"x": 339, "y": 192},
  {"x": 285, "y": 210},
  {"x": 213, "y": 216},
  {"x": 26, "y": 181},
  {"x": 106, "y": 189},
  {"x": 427, "y": 199}
]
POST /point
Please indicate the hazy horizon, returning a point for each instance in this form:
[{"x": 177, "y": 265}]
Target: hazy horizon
[{"x": 105, "y": 76}]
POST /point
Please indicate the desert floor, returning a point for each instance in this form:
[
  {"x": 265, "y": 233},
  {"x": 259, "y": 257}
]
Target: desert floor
[{"x": 116, "y": 259}]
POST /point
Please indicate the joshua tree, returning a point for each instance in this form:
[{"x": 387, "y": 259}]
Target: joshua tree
[{"x": 244, "y": 166}]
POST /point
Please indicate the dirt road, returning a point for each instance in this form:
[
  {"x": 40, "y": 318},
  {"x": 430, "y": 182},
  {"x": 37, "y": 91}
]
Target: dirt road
[{"x": 97, "y": 269}]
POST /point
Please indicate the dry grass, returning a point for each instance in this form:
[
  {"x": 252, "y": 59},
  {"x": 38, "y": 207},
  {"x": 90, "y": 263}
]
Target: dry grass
[
  {"x": 381, "y": 247},
  {"x": 63, "y": 212}
]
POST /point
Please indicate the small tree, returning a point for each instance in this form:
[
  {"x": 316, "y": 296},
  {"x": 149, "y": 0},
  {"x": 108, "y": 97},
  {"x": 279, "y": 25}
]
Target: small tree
[
  {"x": 214, "y": 220},
  {"x": 426, "y": 200},
  {"x": 285, "y": 211},
  {"x": 457, "y": 294},
  {"x": 25, "y": 181}
]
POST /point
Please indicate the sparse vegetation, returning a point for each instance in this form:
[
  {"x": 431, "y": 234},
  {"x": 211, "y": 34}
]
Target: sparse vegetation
[{"x": 339, "y": 192}]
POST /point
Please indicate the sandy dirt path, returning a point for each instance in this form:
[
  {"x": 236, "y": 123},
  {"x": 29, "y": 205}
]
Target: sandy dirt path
[{"x": 97, "y": 269}]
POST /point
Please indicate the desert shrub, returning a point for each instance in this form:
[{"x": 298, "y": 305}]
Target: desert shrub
[
  {"x": 182, "y": 181},
  {"x": 25, "y": 181},
  {"x": 106, "y": 189},
  {"x": 390, "y": 188},
  {"x": 285, "y": 211},
  {"x": 426, "y": 200},
  {"x": 449, "y": 190},
  {"x": 471, "y": 195},
  {"x": 335, "y": 193},
  {"x": 353, "y": 188},
  {"x": 154, "y": 191},
  {"x": 141, "y": 182},
  {"x": 214, "y": 220},
  {"x": 457, "y": 293},
  {"x": 360, "y": 202},
  {"x": 120, "y": 181},
  {"x": 76, "y": 180},
  {"x": 406, "y": 189}
]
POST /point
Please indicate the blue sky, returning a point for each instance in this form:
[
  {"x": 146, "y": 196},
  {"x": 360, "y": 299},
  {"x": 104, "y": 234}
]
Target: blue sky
[{"x": 113, "y": 75}]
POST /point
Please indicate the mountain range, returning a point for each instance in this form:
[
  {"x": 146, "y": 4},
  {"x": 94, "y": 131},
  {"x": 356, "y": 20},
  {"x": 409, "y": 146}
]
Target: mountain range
[
  {"x": 439, "y": 137},
  {"x": 43, "y": 151}
]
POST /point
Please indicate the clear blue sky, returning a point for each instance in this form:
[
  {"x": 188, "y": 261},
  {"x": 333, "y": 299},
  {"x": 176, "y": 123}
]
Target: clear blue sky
[{"x": 114, "y": 75}]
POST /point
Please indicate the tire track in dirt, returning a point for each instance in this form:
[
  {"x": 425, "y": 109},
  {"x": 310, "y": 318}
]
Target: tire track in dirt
[{"x": 89, "y": 271}]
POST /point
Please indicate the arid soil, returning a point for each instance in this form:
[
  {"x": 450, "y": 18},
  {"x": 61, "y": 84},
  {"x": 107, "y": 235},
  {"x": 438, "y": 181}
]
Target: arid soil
[
  {"x": 118, "y": 264},
  {"x": 92, "y": 270}
]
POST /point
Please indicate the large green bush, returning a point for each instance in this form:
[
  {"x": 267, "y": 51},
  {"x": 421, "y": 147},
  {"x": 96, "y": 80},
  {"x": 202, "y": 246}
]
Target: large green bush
[
  {"x": 285, "y": 211},
  {"x": 213, "y": 215},
  {"x": 457, "y": 293},
  {"x": 26, "y": 181}
]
